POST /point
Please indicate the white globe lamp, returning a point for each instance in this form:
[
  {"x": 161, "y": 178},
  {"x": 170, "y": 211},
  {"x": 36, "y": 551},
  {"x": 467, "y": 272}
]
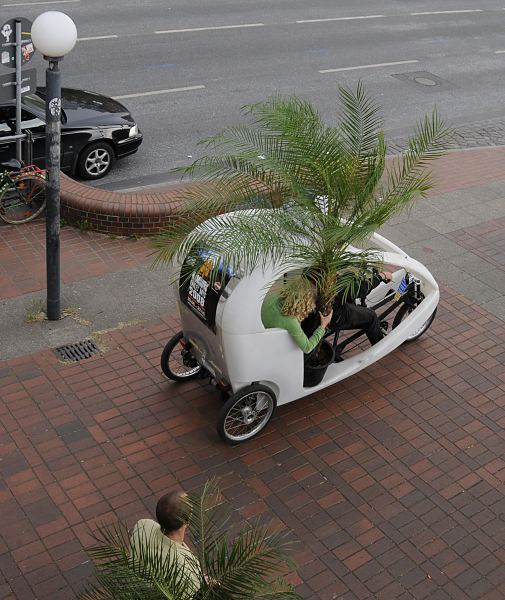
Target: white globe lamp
[{"x": 54, "y": 34}]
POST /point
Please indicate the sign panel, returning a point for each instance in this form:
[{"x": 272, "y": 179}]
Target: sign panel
[
  {"x": 202, "y": 290},
  {"x": 8, "y": 84},
  {"x": 8, "y": 36}
]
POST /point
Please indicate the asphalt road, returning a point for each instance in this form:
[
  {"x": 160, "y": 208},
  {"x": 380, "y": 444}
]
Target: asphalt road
[{"x": 187, "y": 66}]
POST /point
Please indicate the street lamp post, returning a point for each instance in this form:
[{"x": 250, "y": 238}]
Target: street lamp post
[{"x": 54, "y": 34}]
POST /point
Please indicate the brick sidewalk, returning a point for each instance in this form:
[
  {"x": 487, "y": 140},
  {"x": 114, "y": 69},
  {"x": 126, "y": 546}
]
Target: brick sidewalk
[
  {"x": 468, "y": 168},
  {"x": 83, "y": 255},
  {"x": 393, "y": 480}
]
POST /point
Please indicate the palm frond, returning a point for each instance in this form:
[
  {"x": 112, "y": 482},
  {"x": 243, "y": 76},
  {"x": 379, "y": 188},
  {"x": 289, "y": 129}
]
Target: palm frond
[
  {"x": 246, "y": 565},
  {"x": 288, "y": 189},
  {"x": 360, "y": 120},
  {"x": 137, "y": 566},
  {"x": 208, "y": 520}
]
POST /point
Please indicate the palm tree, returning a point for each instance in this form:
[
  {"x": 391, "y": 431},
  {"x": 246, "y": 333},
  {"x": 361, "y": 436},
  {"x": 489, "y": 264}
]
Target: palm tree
[
  {"x": 245, "y": 566},
  {"x": 325, "y": 187}
]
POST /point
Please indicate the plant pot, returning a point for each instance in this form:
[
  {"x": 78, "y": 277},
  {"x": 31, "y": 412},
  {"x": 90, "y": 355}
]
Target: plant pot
[{"x": 314, "y": 370}]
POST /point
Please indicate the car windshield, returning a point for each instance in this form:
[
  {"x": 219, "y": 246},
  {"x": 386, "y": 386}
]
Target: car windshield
[{"x": 37, "y": 103}]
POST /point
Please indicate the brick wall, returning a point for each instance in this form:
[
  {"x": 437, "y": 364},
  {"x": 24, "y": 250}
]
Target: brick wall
[{"x": 117, "y": 213}]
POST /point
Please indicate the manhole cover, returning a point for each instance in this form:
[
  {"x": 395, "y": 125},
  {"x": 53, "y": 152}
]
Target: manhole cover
[
  {"x": 77, "y": 351},
  {"x": 424, "y": 80}
]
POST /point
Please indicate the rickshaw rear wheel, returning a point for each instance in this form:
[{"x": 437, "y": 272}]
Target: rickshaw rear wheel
[
  {"x": 246, "y": 413},
  {"x": 177, "y": 362}
]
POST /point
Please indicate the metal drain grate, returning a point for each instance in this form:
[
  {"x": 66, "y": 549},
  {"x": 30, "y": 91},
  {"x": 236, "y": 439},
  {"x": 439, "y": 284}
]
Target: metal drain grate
[{"x": 78, "y": 351}]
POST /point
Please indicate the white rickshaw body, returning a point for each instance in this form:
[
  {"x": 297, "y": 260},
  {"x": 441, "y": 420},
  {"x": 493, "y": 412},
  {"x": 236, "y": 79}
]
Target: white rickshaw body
[{"x": 238, "y": 351}]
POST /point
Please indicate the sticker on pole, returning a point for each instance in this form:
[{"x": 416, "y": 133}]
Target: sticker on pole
[
  {"x": 8, "y": 42},
  {"x": 55, "y": 107}
]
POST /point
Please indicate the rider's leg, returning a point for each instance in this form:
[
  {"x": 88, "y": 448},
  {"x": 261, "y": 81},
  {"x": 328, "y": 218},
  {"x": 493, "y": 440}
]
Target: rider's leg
[{"x": 360, "y": 317}]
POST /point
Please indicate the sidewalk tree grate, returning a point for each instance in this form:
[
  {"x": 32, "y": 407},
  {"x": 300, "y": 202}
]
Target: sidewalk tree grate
[{"x": 77, "y": 351}]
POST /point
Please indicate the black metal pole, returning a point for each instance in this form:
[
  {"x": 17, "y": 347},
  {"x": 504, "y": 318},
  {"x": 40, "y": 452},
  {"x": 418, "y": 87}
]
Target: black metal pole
[
  {"x": 19, "y": 85},
  {"x": 53, "y": 132}
]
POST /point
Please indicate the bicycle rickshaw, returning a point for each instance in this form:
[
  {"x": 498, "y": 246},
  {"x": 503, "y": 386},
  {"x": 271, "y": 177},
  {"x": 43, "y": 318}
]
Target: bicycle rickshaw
[{"x": 258, "y": 369}]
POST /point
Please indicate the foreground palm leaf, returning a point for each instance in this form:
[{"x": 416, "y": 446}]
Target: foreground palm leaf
[
  {"x": 326, "y": 187},
  {"x": 246, "y": 566}
]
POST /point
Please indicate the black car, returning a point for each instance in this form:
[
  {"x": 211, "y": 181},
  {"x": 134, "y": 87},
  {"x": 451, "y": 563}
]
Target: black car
[{"x": 95, "y": 131}]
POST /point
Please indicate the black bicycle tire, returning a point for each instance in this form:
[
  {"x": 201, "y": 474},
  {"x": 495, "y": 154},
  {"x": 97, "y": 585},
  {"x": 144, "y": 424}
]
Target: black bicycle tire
[
  {"x": 400, "y": 315},
  {"x": 165, "y": 357},
  {"x": 14, "y": 181}
]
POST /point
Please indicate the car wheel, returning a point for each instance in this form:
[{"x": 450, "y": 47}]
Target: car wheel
[{"x": 95, "y": 161}]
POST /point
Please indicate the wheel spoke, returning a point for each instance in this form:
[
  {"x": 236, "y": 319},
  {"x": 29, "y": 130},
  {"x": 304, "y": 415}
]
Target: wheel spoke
[
  {"x": 248, "y": 416},
  {"x": 176, "y": 362},
  {"x": 24, "y": 200},
  {"x": 97, "y": 161}
]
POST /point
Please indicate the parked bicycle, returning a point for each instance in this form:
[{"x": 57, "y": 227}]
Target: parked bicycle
[{"x": 22, "y": 192}]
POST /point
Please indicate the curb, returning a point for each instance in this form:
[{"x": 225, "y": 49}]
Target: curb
[{"x": 119, "y": 213}]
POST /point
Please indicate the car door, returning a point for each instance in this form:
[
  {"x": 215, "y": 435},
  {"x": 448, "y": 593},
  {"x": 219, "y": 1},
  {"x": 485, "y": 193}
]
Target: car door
[
  {"x": 7, "y": 148},
  {"x": 33, "y": 123},
  {"x": 29, "y": 122}
]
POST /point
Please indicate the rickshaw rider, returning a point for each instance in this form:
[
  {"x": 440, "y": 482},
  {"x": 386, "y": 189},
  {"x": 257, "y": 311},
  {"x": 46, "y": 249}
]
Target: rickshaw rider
[
  {"x": 292, "y": 307},
  {"x": 288, "y": 306},
  {"x": 349, "y": 315}
]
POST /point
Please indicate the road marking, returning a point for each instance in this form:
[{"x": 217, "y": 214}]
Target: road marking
[
  {"x": 387, "y": 64},
  {"x": 156, "y": 92},
  {"x": 446, "y": 12},
  {"x": 97, "y": 37},
  {"x": 211, "y": 28},
  {"x": 340, "y": 19},
  {"x": 37, "y": 3},
  {"x": 162, "y": 66},
  {"x": 499, "y": 51}
]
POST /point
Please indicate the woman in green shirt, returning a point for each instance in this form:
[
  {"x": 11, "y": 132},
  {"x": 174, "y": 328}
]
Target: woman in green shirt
[{"x": 288, "y": 307}]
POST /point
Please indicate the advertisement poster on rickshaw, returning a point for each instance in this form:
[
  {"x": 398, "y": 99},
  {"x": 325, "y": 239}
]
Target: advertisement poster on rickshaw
[{"x": 201, "y": 292}]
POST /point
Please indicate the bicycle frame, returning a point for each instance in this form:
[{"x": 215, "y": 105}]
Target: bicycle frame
[
  {"x": 9, "y": 177},
  {"x": 411, "y": 296},
  {"x": 5, "y": 182}
]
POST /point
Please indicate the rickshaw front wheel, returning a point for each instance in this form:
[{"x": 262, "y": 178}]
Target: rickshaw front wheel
[
  {"x": 405, "y": 311},
  {"x": 177, "y": 362},
  {"x": 246, "y": 413}
]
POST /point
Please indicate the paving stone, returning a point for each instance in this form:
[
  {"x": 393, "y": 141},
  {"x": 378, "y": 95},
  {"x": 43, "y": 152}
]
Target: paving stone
[
  {"x": 496, "y": 306},
  {"x": 441, "y": 224},
  {"x": 447, "y": 273},
  {"x": 494, "y": 279},
  {"x": 437, "y": 247},
  {"x": 471, "y": 264},
  {"x": 478, "y": 292},
  {"x": 462, "y": 199}
]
